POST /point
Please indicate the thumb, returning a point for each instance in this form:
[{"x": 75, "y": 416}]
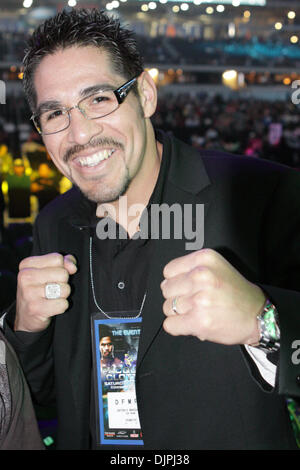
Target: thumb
[{"x": 70, "y": 263}]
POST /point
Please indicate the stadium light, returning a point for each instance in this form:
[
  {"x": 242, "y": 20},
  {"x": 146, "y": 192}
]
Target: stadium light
[
  {"x": 184, "y": 7},
  {"x": 27, "y": 3}
]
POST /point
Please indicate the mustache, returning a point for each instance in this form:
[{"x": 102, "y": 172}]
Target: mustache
[{"x": 94, "y": 144}]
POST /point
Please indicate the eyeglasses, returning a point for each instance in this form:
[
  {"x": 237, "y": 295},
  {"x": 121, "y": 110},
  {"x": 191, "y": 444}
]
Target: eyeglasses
[{"x": 95, "y": 106}]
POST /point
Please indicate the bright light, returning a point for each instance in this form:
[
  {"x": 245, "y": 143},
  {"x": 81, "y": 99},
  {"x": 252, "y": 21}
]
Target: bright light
[
  {"x": 163, "y": 1},
  {"x": 231, "y": 30},
  {"x": 229, "y": 74},
  {"x": 287, "y": 81},
  {"x": 220, "y": 8},
  {"x": 236, "y": 3},
  {"x": 209, "y": 10},
  {"x": 291, "y": 15},
  {"x": 72, "y": 3},
  {"x": 197, "y": 2},
  {"x": 152, "y": 5},
  {"x": 278, "y": 25},
  {"x": 108, "y": 6},
  {"x": 144, "y": 7},
  {"x": 115, "y": 4},
  {"x": 27, "y": 3},
  {"x": 184, "y": 7},
  {"x": 154, "y": 73},
  {"x": 175, "y": 8},
  {"x": 247, "y": 14},
  {"x": 294, "y": 39}
]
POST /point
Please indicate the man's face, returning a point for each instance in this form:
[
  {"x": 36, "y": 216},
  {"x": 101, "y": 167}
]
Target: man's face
[
  {"x": 63, "y": 77},
  {"x": 106, "y": 347}
]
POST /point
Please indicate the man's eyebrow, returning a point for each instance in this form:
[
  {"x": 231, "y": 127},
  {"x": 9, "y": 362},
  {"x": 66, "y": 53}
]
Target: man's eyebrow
[
  {"x": 48, "y": 106},
  {"x": 95, "y": 88},
  {"x": 54, "y": 104}
]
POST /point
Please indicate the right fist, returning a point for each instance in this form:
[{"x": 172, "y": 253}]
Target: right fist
[{"x": 33, "y": 310}]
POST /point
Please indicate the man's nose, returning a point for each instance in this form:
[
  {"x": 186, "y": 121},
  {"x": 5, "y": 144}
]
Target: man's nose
[{"x": 82, "y": 130}]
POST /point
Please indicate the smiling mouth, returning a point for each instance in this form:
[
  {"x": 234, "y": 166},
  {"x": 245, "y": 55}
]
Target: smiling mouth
[{"x": 95, "y": 159}]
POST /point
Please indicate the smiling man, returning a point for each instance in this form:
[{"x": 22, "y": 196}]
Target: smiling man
[{"x": 214, "y": 328}]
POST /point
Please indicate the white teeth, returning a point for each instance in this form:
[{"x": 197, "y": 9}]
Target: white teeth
[{"x": 93, "y": 160}]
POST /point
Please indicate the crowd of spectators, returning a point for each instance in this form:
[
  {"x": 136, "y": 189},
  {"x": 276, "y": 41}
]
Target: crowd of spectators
[
  {"x": 186, "y": 49},
  {"x": 262, "y": 129}
]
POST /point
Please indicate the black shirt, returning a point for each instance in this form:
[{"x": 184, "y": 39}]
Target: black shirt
[{"x": 119, "y": 273}]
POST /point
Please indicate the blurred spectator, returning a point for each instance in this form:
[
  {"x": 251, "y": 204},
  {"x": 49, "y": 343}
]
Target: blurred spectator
[
  {"x": 34, "y": 151},
  {"x": 18, "y": 425},
  {"x": 18, "y": 191},
  {"x": 8, "y": 288},
  {"x": 46, "y": 185}
]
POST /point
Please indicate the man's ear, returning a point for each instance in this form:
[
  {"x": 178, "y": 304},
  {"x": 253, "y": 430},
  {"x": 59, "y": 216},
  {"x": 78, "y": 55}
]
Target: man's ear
[{"x": 148, "y": 94}]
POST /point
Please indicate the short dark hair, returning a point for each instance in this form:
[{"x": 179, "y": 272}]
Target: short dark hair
[{"x": 81, "y": 27}]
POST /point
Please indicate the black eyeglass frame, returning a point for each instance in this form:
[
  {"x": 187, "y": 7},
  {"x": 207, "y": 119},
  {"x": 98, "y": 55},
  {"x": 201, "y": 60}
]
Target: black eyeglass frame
[{"x": 120, "y": 93}]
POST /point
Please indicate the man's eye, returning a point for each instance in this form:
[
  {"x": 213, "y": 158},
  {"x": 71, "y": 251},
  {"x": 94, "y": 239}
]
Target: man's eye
[
  {"x": 55, "y": 114},
  {"x": 100, "y": 99}
]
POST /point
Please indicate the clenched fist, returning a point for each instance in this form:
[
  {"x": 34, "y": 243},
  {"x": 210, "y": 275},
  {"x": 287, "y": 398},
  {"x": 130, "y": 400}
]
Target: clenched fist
[
  {"x": 33, "y": 310},
  {"x": 213, "y": 300}
]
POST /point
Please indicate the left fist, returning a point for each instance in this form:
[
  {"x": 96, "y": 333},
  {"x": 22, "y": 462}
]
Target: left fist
[{"x": 214, "y": 301}]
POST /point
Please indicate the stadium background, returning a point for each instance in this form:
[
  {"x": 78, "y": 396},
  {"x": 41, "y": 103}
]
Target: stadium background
[{"x": 228, "y": 77}]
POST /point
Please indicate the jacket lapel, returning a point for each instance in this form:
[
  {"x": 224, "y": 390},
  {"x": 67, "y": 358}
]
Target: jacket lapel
[{"x": 187, "y": 183}]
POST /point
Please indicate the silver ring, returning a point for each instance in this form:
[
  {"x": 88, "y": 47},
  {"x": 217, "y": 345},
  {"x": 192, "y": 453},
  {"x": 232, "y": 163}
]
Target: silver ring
[
  {"x": 174, "y": 306},
  {"x": 52, "y": 291}
]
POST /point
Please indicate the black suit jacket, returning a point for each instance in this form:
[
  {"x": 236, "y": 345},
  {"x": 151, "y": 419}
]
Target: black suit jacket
[{"x": 191, "y": 394}]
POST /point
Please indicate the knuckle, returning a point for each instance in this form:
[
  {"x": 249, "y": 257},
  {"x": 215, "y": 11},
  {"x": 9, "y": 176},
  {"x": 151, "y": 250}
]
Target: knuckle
[
  {"x": 208, "y": 255},
  {"x": 57, "y": 259},
  {"x": 203, "y": 275},
  {"x": 67, "y": 290},
  {"x": 62, "y": 275},
  {"x": 24, "y": 263},
  {"x": 202, "y": 299},
  {"x": 196, "y": 274},
  {"x": 204, "y": 324},
  {"x": 23, "y": 277},
  {"x": 64, "y": 305}
]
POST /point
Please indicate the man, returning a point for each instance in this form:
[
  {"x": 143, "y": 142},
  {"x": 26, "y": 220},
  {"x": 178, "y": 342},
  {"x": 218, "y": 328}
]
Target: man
[
  {"x": 18, "y": 425},
  {"x": 208, "y": 374},
  {"x": 107, "y": 353}
]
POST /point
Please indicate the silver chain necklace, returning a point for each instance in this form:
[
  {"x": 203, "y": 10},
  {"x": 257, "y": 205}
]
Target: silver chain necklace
[{"x": 93, "y": 289}]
